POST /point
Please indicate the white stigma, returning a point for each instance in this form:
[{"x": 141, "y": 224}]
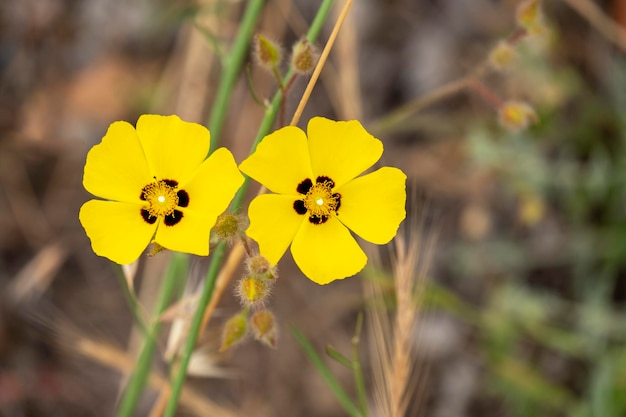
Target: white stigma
[
  {"x": 161, "y": 199},
  {"x": 319, "y": 201}
]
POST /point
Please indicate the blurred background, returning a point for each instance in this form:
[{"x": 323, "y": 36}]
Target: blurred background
[{"x": 524, "y": 310}]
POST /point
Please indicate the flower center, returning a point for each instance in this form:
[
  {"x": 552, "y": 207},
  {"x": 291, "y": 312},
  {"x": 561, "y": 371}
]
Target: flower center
[
  {"x": 163, "y": 198},
  {"x": 319, "y": 201}
]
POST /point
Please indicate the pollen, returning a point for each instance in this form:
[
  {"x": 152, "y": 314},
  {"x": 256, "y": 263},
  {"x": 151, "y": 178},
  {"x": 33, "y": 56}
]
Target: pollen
[
  {"x": 161, "y": 198},
  {"x": 319, "y": 201}
]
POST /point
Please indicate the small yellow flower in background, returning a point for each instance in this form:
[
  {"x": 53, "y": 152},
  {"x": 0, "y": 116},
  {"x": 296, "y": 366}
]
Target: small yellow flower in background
[
  {"x": 502, "y": 56},
  {"x": 157, "y": 186},
  {"x": 529, "y": 15},
  {"x": 516, "y": 115},
  {"x": 319, "y": 197}
]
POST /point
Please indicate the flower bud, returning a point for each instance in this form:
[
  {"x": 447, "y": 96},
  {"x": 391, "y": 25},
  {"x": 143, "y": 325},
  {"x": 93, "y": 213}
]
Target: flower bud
[
  {"x": 268, "y": 54},
  {"x": 235, "y": 330},
  {"x": 303, "y": 57},
  {"x": 531, "y": 209},
  {"x": 252, "y": 291},
  {"x": 228, "y": 227},
  {"x": 502, "y": 57},
  {"x": 516, "y": 115},
  {"x": 263, "y": 325},
  {"x": 259, "y": 266},
  {"x": 529, "y": 16}
]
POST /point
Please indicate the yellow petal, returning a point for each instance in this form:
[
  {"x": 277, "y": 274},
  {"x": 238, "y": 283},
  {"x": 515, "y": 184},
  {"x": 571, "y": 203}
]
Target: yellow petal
[
  {"x": 214, "y": 184},
  {"x": 341, "y": 150},
  {"x": 281, "y": 161},
  {"x": 327, "y": 252},
  {"x": 373, "y": 206},
  {"x": 189, "y": 235},
  {"x": 174, "y": 148},
  {"x": 210, "y": 191},
  {"x": 116, "y": 230},
  {"x": 273, "y": 224},
  {"x": 116, "y": 168}
]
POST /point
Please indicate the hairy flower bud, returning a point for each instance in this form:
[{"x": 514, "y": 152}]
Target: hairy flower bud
[
  {"x": 228, "y": 227},
  {"x": 259, "y": 266},
  {"x": 235, "y": 330},
  {"x": 516, "y": 115},
  {"x": 529, "y": 16},
  {"x": 268, "y": 53},
  {"x": 263, "y": 325},
  {"x": 303, "y": 57},
  {"x": 502, "y": 57},
  {"x": 252, "y": 290}
]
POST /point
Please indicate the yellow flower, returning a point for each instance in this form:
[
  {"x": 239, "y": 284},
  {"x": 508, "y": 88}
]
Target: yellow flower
[
  {"x": 157, "y": 186},
  {"x": 318, "y": 198}
]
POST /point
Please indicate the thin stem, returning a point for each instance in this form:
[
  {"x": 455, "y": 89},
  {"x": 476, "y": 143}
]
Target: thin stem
[
  {"x": 326, "y": 374},
  {"x": 606, "y": 26},
  {"x": 232, "y": 68},
  {"x": 279, "y": 78},
  {"x": 489, "y": 96},
  {"x": 139, "y": 378},
  {"x": 283, "y": 99},
  {"x": 219, "y": 252},
  {"x": 251, "y": 89},
  {"x": 321, "y": 62},
  {"x": 402, "y": 113},
  {"x": 194, "y": 331},
  {"x": 356, "y": 367}
]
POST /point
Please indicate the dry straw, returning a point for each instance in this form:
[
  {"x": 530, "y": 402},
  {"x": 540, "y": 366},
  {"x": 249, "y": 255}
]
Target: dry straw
[{"x": 397, "y": 376}]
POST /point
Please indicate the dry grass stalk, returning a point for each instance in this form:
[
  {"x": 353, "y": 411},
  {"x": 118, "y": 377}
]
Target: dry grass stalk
[
  {"x": 396, "y": 374},
  {"x": 35, "y": 277}
]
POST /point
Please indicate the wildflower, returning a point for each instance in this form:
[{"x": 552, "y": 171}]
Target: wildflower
[
  {"x": 157, "y": 187},
  {"x": 319, "y": 198}
]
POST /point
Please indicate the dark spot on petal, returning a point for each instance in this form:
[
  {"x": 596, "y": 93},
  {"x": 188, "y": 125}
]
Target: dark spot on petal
[
  {"x": 147, "y": 217},
  {"x": 304, "y": 186},
  {"x": 171, "y": 183},
  {"x": 142, "y": 196},
  {"x": 315, "y": 219},
  {"x": 183, "y": 198},
  {"x": 299, "y": 207},
  {"x": 337, "y": 198},
  {"x": 324, "y": 179},
  {"x": 172, "y": 219}
]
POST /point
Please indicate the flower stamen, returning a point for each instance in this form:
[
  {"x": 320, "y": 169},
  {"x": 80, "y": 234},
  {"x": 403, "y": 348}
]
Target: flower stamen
[
  {"x": 319, "y": 201},
  {"x": 163, "y": 198}
]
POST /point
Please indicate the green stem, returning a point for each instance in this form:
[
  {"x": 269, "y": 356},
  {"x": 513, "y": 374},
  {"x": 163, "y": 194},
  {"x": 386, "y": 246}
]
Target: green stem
[
  {"x": 137, "y": 382},
  {"x": 356, "y": 367},
  {"x": 220, "y": 251},
  {"x": 194, "y": 331},
  {"x": 232, "y": 68},
  {"x": 325, "y": 373}
]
